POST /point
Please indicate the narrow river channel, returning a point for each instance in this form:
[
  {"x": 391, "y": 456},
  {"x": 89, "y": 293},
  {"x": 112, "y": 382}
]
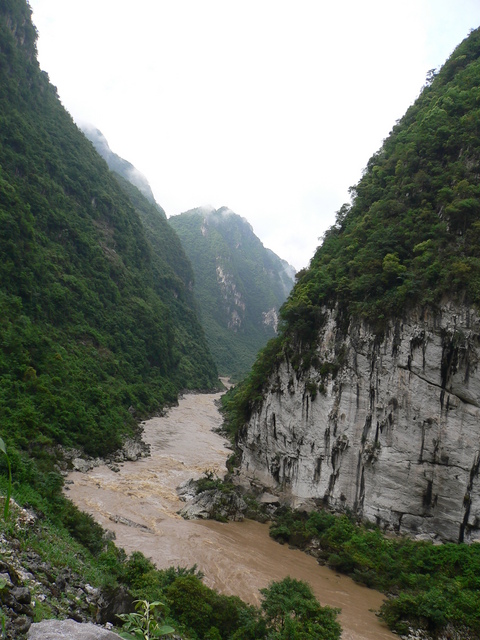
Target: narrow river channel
[{"x": 139, "y": 503}]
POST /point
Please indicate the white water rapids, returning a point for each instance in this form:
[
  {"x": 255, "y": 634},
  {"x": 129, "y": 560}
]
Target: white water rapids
[{"x": 237, "y": 558}]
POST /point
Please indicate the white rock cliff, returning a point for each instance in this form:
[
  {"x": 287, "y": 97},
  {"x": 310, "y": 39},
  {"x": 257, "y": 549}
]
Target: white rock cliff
[{"x": 387, "y": 426}]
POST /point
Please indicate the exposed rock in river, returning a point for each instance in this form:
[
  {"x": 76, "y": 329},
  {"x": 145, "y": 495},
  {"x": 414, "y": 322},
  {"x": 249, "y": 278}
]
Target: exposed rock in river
[
  {"x": 387, "y": 426},
  {"x": 213, "y": 504},
  {"x": 132, "y": 449}
]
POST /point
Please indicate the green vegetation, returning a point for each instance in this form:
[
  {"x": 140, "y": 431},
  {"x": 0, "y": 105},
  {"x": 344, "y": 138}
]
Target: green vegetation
[
  {"x": 291, "y": 611},
  {"x": 174, "y": 275},
  {"x": 143, "y": 623},
  {"x": 410, "y": 236},
  {"x": 6, "y": 508},
  {"x": 202, "y": 613},
  {"x": 211, "y": 481},
  {"x": 240, "y": 400},
  {"x": 195, "y": 611},
  {"x": 237, "y": 281},
  {"x": 97, "y": 320},
  {"x": 429, "y": 586}
]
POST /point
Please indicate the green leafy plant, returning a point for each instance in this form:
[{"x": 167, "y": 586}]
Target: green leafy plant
[
  {"x": 141, "y": 624},
  {"x": 3, "y": 449}
]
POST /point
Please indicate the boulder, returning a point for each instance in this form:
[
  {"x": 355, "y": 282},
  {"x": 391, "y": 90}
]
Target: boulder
[
  {"x": 82, "y": 465},
  {"x": 215, "y": 504},
  {"x": 69, "y": 630},
  {"x": 268, "y": 498},
  {"x": 187, "y": 490},
  {"x": 134, "y": 449},
  {"x": 113, "y": 602}
]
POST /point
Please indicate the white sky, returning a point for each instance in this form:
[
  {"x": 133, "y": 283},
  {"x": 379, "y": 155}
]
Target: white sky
[{"x": 269, "y": 107}]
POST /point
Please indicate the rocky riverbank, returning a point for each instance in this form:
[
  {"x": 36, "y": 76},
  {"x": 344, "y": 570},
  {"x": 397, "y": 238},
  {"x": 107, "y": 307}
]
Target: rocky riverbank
[{"x": 32, "y": 588}]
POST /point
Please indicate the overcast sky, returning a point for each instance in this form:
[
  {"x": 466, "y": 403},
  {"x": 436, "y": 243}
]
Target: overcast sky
[{"x": 269, "y": 107}]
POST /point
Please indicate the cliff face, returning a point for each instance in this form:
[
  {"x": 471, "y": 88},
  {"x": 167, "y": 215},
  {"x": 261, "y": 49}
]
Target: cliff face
[
  {"x": 386, "y": 425},
  {"x": 369, "y": 399}
]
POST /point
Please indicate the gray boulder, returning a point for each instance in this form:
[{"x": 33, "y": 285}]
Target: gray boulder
[
  {"x": 79, "y": 464},
  {"x": 216, "y": 505},
  {"x": 69, "y": 630}
]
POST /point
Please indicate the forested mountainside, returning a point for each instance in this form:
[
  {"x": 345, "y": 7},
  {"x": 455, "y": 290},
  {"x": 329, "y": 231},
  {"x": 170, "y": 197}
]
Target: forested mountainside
[
  {"x": 95, "y": 312},
  {"x": 369, "y": 399},
  {"x": 169, "y": 255},
  {"x": 118, "y": 164},
  {"x": 239, "y": 284}
]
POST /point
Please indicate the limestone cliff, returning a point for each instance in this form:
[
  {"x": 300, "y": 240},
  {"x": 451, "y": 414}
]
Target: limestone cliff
[
  {"x": 391, "y": 430},
  {"x": 369, "y": 399}
]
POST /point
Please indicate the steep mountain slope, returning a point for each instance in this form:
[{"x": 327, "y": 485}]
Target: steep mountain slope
[
  {"x": 168, "y": 253},
  {"x": 172, "y": 267},
  {"x": 239, "y": 284},
  {"x": 92, "y": 314},
  {"x": 369, "y": 400},
  {"x": 118, "y": 164}
]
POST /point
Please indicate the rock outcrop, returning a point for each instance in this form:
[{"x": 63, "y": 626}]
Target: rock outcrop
[
  {"x": 28, "y": 582},
  {"x": 213, "y": 504},
  {"x": 385, "y": 425}
]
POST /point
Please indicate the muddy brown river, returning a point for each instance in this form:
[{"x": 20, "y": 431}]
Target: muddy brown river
[{"x": 139, "y": 503}]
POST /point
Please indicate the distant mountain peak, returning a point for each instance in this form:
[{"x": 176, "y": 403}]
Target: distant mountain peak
[
  {"x": 239, "y": 284},
  {"x": 116, "y": 163}
]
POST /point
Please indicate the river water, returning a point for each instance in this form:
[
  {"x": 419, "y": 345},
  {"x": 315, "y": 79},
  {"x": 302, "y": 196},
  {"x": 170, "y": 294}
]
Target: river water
[{"x": 139, "y": 503}]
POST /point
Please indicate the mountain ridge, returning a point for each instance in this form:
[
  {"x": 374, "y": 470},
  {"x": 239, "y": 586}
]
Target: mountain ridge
[
  {"x": 239, "y": 285},
  {"x": 91, "y": 332},
  {"x": 236, "y": 340},
  {"x": 118, "y": 164},
  {"x": 368, "y": 400}
]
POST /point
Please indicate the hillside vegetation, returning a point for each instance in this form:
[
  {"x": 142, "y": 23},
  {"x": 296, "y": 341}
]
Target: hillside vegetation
[
  {"x": 239, "y": 284},
  {"x": 411, "y": 234},
  {"x": 97, "y": 321},
  {"x": 410, "y": 238},
  {"x": 119, "y": 165}
]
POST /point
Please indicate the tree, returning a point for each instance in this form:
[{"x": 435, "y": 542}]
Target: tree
[{"x": 292, "y": 612}]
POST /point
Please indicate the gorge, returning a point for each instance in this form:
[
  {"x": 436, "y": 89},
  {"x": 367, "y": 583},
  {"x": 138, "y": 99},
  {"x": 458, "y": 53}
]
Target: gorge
[
  {"x": 366, "y": 402},
  {"x": 139, "y": 503}
]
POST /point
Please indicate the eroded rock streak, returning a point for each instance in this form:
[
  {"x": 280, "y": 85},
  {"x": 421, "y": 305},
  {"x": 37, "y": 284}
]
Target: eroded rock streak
[{"x": 386, "y": 425}]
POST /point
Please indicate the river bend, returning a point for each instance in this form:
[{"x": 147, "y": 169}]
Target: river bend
[{"x": 139, "y": 503}]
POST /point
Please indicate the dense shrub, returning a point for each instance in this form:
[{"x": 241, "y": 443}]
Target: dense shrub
[{"x": 420, "y": 577}]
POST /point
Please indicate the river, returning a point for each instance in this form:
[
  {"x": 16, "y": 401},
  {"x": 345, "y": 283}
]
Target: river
[{"x": 139, "y": 503}]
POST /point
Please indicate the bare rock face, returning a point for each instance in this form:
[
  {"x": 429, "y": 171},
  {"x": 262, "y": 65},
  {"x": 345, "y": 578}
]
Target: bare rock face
[
  {"x": 387, "y": 426},
  {"x": 70, "y": 630}
]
